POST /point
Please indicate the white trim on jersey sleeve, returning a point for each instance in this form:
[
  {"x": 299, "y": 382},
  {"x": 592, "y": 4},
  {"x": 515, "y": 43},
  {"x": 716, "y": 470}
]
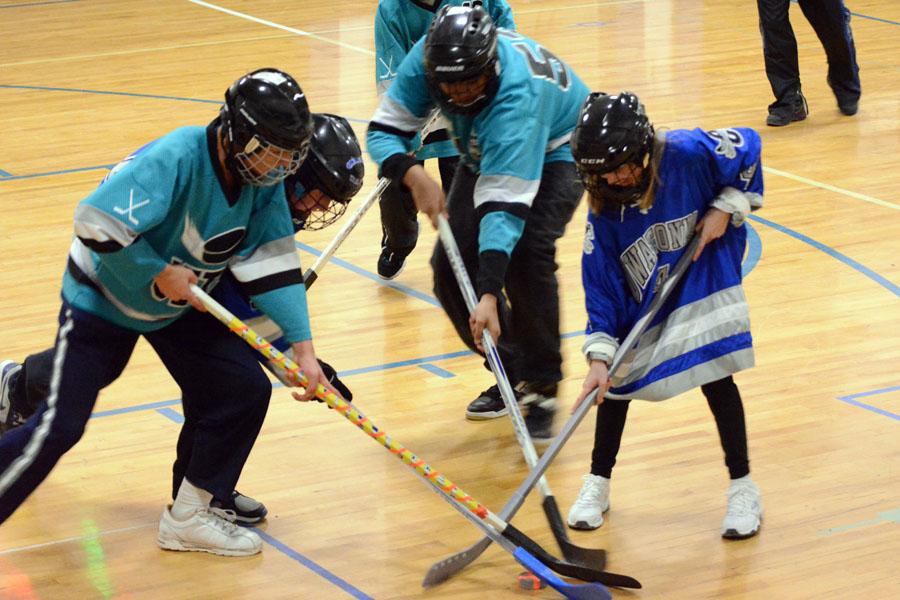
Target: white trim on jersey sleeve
[
  {"x": 93, "y": 223},
  {"x": 271, "y": 258},
  {"x": 505, "y": 188},
  {"x": 392, "y": 113}
]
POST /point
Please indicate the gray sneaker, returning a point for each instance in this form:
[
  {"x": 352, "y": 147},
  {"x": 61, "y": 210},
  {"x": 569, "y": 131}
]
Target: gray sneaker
[{"x": 205, "y": 531}]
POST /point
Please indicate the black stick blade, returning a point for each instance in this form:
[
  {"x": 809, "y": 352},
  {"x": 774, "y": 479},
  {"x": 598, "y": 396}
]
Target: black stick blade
[{"x": 588, "y": 557}]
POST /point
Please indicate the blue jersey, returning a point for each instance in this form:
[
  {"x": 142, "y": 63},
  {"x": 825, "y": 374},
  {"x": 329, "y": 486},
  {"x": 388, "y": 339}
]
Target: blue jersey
[
  {"x": 165, "y": 205},
  {"x": 703, "y": 332},
  {"x": 401, "y": 23},
  {"x": 526, "y": 124}
]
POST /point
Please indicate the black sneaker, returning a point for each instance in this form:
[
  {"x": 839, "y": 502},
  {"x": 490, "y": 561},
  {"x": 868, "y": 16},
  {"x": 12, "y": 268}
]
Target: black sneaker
[
  {"x": 489, "y": 405},
  {"x": 239, "y": 508},
  {"x": 540, "y": 400},
  {"x": 390, "y": 263},
  {"x": 847, "y": 104},
  {"x": 785, "y": 115}
]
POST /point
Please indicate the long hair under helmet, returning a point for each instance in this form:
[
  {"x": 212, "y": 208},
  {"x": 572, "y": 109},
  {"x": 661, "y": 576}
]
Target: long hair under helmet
[
  {"x": 612, "y": 131},
  {"x": 265, "y": 120}
]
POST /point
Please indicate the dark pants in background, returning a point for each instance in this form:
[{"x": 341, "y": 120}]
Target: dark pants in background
[
  {"x": 399, "y": 225},
  {"x": 831, "y": 21},
  {"x": 529, "y": 340}
]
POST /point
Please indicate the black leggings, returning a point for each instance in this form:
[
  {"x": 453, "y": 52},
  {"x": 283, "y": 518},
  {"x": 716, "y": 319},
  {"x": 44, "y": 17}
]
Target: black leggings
[{"x": 724, "y": 401}]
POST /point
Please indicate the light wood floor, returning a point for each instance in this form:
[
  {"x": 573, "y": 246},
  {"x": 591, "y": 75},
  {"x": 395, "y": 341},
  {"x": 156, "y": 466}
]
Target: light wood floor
[{"x": 83, "y": 83}]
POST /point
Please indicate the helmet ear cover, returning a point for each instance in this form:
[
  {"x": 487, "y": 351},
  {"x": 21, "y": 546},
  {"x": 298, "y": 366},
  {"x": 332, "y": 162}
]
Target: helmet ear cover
[
  {"x": 267, "y": 127},
  {"x": 613, "y": 131},
  {"x": 461, "y": 46}
]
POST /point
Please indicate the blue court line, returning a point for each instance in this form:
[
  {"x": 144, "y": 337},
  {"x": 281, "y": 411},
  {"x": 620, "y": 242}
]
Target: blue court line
[
  {"x": 5, "y": 173},
  {"x": 312, "y": 566},
  {"x": 405, "y": 363},
  {"x": 179, "y": 418},
  {"x": 172, "y": 415},
  {"x": 851, "y": 399},
  {"x": 890, "y": 516},
  {"x": 30, "y": 4},
  {"x": 369, "y": 275},
  {"x": 44, "y": 88},
  {"x": 833, "y": 253},
  {"x": 862, "y": 16},
  {"x": 437, "y": 370},
  {"x": 135, "y": 408},
  {"x": 63, "y": 172},
  {"x": 754, "y": 251},
  {"x": 129, "y": 94}
]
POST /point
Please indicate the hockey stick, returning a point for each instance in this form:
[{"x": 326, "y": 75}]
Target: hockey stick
[
  {"x": 312, "y": 273},
  {"x": 585, "y": 556},
  {"x": 521, "y": 546},
  {"x": 450, "y": 566}
]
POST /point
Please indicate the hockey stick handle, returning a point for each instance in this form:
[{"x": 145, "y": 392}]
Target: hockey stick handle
[
  {"x": 350, "y": 412},
  {"x": 468, "y": 292},
  {"x": 312, "y": 273}
]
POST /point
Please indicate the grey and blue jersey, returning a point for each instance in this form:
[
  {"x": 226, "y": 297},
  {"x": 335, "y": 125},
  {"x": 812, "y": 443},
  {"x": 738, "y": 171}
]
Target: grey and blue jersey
[
  {"x": 526, "y": 124},
  {"x": 165, "y": 205},
  {"x": 702, "y": 334},
  {"x": 399, "y": 24}
]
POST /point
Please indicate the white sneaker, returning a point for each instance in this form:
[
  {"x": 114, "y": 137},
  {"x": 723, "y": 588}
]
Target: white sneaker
[
  {"x": 8, "y": 368},
  {"x": 206, "y": 532},
  {"x": 593, "y": 500},
  {"x": 745, "y": 510}
]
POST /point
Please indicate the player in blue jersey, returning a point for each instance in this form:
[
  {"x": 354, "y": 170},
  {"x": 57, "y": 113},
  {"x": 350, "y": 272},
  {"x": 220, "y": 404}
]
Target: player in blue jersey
[
  {"x": 318, "y": 194},
  {"x": 649, "y": 194},
  {"x": 179, "y": 212},
  {"x": 398, "y": 25},
  {"x": 512, "y": 105}
]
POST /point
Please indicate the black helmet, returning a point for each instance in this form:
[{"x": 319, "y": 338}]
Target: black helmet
[
  {"x": 334, "y": 166},
  {"x": 461, "y": 45},
  {"x": 612, "y": 131},
  {"x": 265, "y": 117}
]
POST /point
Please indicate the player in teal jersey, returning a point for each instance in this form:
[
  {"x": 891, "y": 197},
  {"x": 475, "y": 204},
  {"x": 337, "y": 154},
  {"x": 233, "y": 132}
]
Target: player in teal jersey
[
  {"x": 178, "y": 212},
  {"x": 318, "y": 194},
  {"x": 512, "y": 105},
  {"x": 399, "y": 24}
]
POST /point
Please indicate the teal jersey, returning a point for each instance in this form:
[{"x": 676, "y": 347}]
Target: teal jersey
[
  {"x": 165, "y": 204},
  {"x": 399, "y": 24},
  {"x": 526, "y": 124}
]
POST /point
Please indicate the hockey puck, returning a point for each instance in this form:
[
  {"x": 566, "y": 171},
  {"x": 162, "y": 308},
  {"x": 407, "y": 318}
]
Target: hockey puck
[{"x": 529, "y": 581}]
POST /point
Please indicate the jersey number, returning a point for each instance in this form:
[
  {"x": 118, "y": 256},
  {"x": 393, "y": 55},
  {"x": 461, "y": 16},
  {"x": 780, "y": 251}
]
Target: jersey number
[{"x": 545, "y": 66}]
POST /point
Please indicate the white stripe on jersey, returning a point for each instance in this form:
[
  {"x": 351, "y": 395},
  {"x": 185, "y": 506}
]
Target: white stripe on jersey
[{"x": 505, "y": 188}]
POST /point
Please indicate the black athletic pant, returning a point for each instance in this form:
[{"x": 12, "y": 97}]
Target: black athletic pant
[
  {"x": 724, "y": 401},
  {"x": 529, "y": 340},
  {"x": 399, "y": 225},
  {"x": 831, "y": 21},
  {"x": 225, "y": 397}
]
